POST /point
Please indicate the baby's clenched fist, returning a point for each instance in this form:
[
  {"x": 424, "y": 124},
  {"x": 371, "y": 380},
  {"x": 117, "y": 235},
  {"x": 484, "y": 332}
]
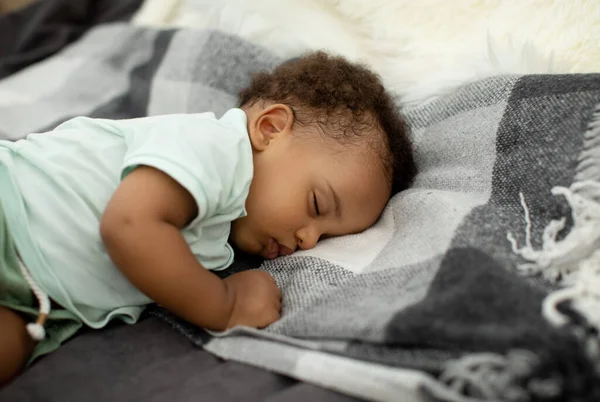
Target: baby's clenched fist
[{"x": 256, "y": 299}]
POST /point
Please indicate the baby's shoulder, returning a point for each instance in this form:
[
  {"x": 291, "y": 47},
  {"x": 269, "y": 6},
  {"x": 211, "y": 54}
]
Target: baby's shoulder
[{"x": 232, "y": 124}]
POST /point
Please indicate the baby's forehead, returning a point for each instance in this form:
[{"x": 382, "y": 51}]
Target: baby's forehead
[
  {"x": 369, "y": 151},
  {"x": 359, "y": 164}
]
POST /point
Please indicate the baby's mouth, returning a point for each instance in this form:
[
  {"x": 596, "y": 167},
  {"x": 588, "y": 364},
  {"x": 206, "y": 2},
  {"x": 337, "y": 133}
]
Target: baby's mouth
[{"x": 274, "y": 250}]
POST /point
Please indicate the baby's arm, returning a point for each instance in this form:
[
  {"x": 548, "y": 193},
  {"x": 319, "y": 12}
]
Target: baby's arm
[{"x": 141, "y": 230}]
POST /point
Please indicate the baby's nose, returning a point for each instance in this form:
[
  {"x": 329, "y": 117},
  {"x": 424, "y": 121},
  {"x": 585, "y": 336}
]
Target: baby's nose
[{"x": 308, "y": 241}]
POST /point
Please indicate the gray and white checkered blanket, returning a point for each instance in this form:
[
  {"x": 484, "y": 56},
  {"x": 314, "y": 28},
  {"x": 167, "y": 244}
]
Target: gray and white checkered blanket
[{"x": 431, "y": 303}]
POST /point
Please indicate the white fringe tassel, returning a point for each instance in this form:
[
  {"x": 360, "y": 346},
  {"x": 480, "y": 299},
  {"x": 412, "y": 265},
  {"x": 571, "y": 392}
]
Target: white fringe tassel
[
  {"x": 494, "y": 377},
  {"x": 573, "y": 261}
]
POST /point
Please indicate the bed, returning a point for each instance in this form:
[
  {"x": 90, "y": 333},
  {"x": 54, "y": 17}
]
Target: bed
[{"x": 478, "y": 283}]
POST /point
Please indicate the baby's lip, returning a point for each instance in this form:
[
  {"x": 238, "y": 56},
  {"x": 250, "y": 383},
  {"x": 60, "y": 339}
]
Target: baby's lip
[
  {"x": 272, "y": 250},
  {"x": 275, "y": 250},
  {"x": 283, "y": 250}
]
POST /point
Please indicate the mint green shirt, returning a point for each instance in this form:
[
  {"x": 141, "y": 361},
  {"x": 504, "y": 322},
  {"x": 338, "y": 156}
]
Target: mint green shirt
[{"x": 55, "y": 186}]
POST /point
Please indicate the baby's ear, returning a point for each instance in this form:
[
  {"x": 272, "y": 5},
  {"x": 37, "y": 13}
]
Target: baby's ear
[{"x": 272, "y": 122}]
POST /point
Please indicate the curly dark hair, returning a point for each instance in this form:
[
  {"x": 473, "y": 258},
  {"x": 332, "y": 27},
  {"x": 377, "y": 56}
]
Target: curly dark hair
[{"x": 343, "y": 99}]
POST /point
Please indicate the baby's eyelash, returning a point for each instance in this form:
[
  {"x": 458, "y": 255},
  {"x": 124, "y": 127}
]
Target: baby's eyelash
[{"x": 316, "y": 205}]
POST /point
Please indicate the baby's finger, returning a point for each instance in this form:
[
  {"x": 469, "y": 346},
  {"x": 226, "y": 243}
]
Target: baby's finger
[
  {"x": 278, "y": 295},
  {"x": 263, "y": 273},
  {"x": 270, "y": 317},
  {"x": 278, "y": 305}
]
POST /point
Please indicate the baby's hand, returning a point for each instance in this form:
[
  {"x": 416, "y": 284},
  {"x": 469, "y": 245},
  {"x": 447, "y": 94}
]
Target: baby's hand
[{"x": 256, "y": 299}]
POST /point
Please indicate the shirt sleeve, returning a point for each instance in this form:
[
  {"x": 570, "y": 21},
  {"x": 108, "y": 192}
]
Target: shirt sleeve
[{"x": 200, "y": 153}]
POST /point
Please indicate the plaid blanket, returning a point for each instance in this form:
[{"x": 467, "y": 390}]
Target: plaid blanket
[{"x": 431, "y": 303}]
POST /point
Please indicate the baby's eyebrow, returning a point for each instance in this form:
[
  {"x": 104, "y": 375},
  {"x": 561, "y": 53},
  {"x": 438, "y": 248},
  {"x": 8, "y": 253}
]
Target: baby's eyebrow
[{"x": 336, "y": 201}]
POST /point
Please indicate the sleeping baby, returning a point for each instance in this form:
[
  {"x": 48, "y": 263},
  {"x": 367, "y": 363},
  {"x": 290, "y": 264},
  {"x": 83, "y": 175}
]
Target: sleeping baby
[{"x": 100, "y": 218}]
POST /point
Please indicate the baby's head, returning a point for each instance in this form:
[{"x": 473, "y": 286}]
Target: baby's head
[{"x": 329, "y": 149}]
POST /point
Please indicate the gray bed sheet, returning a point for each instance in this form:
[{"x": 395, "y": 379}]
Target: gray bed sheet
[{"x": 151, "y": 362}]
